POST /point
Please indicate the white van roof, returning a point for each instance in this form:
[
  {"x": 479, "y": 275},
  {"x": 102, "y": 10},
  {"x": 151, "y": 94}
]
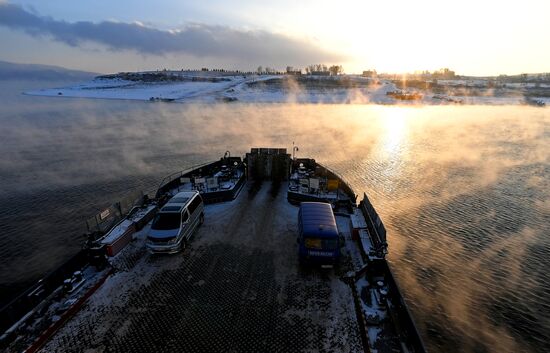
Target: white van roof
[{"x": 178, "y": 201}]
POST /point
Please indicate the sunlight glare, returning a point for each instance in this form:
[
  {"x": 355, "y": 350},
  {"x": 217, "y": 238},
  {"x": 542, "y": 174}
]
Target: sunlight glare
[{"x": 395, "y": 127}]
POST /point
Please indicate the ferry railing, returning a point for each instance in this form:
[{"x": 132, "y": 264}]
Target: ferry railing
[
  {"x": 171, "y": 177},
  {"x": 109, "y": 216},
  {"x": 344, "y": 181},
  {"x": 376, "y": 226}
]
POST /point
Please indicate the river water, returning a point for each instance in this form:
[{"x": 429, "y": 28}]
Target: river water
[{"x": 463, "y": 191}]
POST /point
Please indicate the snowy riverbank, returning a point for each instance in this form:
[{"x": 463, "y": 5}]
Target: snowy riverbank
[{"x": 205, "y": 87}]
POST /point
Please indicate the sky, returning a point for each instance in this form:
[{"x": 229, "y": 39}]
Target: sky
[{"x": 472, "y": 37}]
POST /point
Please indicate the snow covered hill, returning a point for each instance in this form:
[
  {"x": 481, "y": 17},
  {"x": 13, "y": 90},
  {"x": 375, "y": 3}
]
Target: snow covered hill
[{"x": 219, "y": 86}]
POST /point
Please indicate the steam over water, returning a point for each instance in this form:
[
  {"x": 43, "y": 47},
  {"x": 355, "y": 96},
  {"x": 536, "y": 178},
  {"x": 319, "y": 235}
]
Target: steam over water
[{"x": 463, "y": 191}]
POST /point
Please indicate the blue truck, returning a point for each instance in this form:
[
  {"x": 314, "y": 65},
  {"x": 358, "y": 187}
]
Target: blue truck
[{"x": 318, "y": 238}]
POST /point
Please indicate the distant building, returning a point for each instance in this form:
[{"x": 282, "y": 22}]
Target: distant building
[{"x": 369, "y": 73}]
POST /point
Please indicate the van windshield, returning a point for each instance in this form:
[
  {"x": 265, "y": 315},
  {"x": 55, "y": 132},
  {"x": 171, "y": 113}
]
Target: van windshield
[{"x": 165, "y": 221}]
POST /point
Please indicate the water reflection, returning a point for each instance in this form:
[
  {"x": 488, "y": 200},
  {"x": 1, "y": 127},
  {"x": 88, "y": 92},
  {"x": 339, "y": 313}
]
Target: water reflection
[
  {"x": 394, "y": 130},
  {"x": 391, "y": 150}
]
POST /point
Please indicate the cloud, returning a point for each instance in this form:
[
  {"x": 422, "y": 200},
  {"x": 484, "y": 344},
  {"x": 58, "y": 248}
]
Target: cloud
[{"x": 199, "y": 40}]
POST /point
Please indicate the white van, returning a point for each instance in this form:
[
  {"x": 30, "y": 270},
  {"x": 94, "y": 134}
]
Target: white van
[{"x": 175, "y": 223}]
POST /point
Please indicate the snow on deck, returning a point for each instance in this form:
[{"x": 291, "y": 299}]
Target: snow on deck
[
  {"x": 237, "y": 287},
  {"x": 345, "y": 230},
  {"x": 117, "y": 231}
]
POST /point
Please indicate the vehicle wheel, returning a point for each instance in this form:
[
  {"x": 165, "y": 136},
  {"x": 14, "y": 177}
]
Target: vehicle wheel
[{"x": 201, "y": 219}]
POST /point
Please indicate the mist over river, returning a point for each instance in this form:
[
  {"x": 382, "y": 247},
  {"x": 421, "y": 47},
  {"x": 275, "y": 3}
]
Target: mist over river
[{"x": 464, "y": 192}]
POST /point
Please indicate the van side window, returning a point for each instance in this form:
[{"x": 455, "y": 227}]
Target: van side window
[
  {"x": 184, "y": 217},
  {"x": 194, "y": 204}
]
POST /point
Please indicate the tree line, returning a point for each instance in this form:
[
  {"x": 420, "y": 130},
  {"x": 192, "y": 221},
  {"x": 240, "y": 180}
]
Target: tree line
[
  {"x": 322, "y": 68},
  {"x": 312, "y": 69}
]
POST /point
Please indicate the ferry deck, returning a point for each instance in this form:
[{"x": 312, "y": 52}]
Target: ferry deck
[{"x": 236, "y": 288}]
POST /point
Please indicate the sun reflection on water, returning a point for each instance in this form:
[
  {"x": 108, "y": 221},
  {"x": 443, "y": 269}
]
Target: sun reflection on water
[
  {"x": 391, "y": 148},
  {"x": 395, "y": 131}
]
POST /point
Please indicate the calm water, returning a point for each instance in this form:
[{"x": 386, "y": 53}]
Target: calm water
[{"x": 463, "y": 191}]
